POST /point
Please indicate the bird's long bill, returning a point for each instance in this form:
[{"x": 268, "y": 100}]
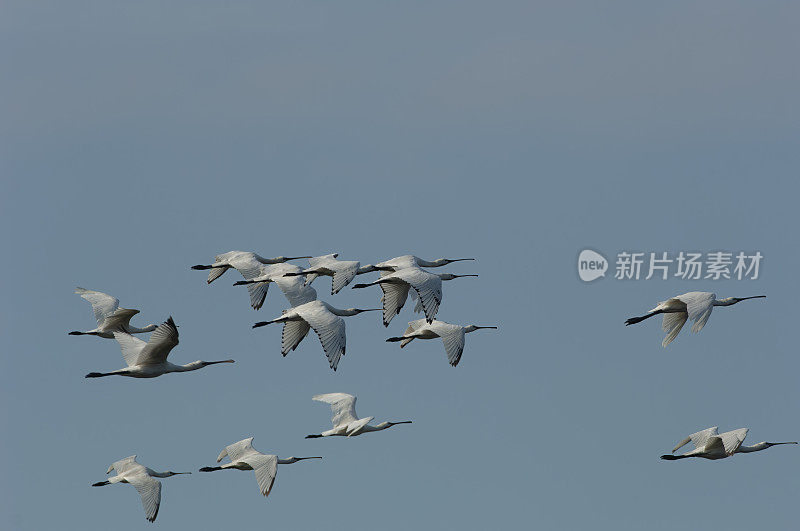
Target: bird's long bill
[
  {"x": 214, "y": 363},
  {"x": 297, "y": 258},
  {"x": 400, "y": 422},
  {"x": 480, "y": 327},
  {"x": 790, "y": 442},
  {"x": 315, "y": 457},
  {"x": 461, "y": 259},
  {"x": 372, "y": 310},
  {"x": 459, "y": 276},
  {"x": 753, "y": 297},
  {"x": 177, "y": 473}
]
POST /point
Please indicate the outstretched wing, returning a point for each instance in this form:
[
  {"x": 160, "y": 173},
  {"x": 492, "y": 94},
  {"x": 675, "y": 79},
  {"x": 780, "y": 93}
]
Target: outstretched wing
[
  {"x": 237, "y": 450},
  {"x": 150, "y": 490},
  {"x": 732, "y": 440},
  {"x": 699, "y": 439},
  {"x": 698, "y": 306},
  {"x": 672, "y": 324},
  {"x": 295, "y": 290},
  {"x": 162, "y": 341},
  {"x": 453, "y": 338},
  {"x": 354, "y": 427},
  {"x": 329, "y": 328},
  {"x": 131, "y": 347},
  {"x": 102, "y": 304},
  {"x": 123, "y": 464},
  {"x": 394, "y": 297},
  {"x": 293, "y": 334},
  {"x": 265, "y": 466},
  {"x": 258, "y": 293},
  {"x": 343, "y": 407},
  {"x": 428, "y": 287},
  {"x": 343, "y": 273},
  {"x": 119, "y": 320}
]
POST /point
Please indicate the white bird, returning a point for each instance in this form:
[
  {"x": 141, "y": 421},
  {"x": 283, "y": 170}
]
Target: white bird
[
  {"x": 709, "y": 444},
  {"x": 341, "y": 271},
  {"x": 293, "y": 287},
  {"x": 406, "y": 261},
  {"x": 452, "y": 336},
  {"x": 246, "y": 263},
  {"x": 244, "y": 457},
  {"x": 395, "y": 286},
  {"x": 141, "y": 477},
  {"x": 326, "y": 321},
  {"x": 345, "y": 421},
  {"x": 695, "y": 305},
  {"x": 148, "y": 360},
  {"x": 109, "y": 315}
]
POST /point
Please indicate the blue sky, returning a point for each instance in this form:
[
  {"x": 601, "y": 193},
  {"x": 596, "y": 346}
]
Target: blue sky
[{"x": 140, "y": 139}]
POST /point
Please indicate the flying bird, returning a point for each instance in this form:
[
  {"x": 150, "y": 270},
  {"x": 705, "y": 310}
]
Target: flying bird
[
  {"x": 110, "y": 317},
  {"x": 293, "y": 287},
  {"x": 396, "y": 285},
  {"x": 452, "y": 336},
  {"x": 246, "y": 263},
  {"x": 345, "y": 421},
  {"x": 406, "y": 261},
  {"x": 709, "y": 444},
  {"x": 244, "y": 457},
  {"x": 324, "y": 319},
  {"x": 695, "y": 305},
  {"x": 148, "y": 360},
  {"x": 143, "y": 478},
  {"x": 340, "y": 271}
]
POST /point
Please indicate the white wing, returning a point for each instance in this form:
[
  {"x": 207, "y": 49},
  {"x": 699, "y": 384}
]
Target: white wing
[
  {"x": 343, "y": 407},
  {"x": 413, "y": 326},
  {"x": 355, "y": 426},
  {"x": 295, "y": 290},
  {"x": 162, "y": 341},
  {"x": 237, "y": 450},
  {"x": 329, "y": 328},
  {"x": 131, "y": 347},
  {"x": 293, "y": 333},
  {"x": 258, "y": 292},
  {"x": 343, "y": 273},
  {"x": 394, "y": 297},
  {"x": 672, "y": 324},
  {"x": 698, "y": 305},
  {"x": 247, "y": 265},
  {"x": 699, "y": 439},
  {"x": 119, "y": 320},
  {"x": 428, "y": 287},
  {"x": 732, "y": 440},
  {"x": 453, "y": 338},
  {"x": 124, "y": 464},
  {"x": 102, "y": 303},
  {"x": 265, "y": 466},
  {"x": 150, "y": 490}
]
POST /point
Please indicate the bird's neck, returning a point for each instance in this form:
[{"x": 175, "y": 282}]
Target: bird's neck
[
  {"x": 342, "y": 313},
  {"x": 436, "y": 263},
  {"x": 193, "y": 366},
  {"x": 755, "y": 448},
  {"x": 148, "y": 328}
]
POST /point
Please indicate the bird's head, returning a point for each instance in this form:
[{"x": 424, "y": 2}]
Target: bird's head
[{"x": 171, "y": 473}]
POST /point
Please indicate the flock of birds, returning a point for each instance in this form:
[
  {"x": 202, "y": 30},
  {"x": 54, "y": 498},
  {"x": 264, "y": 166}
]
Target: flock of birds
[{"x": 398, "y": 278}]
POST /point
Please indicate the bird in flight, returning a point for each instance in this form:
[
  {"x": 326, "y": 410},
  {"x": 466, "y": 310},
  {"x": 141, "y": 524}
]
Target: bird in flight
[
  {"x": 452, "y": 336},
  {"x": 695, "y": 305},
  {"x": 324, "y": 319},
  {"x": 285, "y": 277},
  {"x": 246, "y": 263},
  {"x": 244, "y": 457},
  {"x": 341, "y": 272},
  {"x": 141, "y": 477},
  {"x": 110, "y": 317},
  {"x": 148, "y": 360},
  {"x": 345, "y": 421},
  {"x": 710, "y": 444}
]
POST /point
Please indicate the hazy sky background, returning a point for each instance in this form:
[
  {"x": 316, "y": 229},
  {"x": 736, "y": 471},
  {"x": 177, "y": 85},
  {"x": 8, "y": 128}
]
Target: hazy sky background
[{"x": 140, "y": 138}]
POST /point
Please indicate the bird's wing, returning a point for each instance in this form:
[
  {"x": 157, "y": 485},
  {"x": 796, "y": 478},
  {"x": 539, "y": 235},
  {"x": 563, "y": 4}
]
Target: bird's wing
[
  {"x": 316, "y": 261},
  {"x": 698, "y": 305},
  {"x": 102, "y": 303},
  {"x": 427, "y": 285},
  {"x": 247, "y": 265},
  {"x": 150, "y": 490},
  {"x": 120, "y": 319},
  {"x": 343, "y": 273},
  {"x": 356, "y": 425},
  {"x": 131, "y": 347},
  {"x": 123, "y": 464},
  {"x": 343, "y": 407},
  {"x": 394, "y": 297},
  {"x": 258, "y": 292},
  {"x": 293, "y": 334},
  {"x": 265, "y": 466},
  {"x": 699, "y": 439},
  {"x": 295, "y": 290},
  {"x": 330, "y": 329},
  {"x": 732, "y": 440},
  {"x": 238, "y": 450},
  {"x": 162, "y": 341},
  {"x": 672, "y": 324},
  {"x": 453, "y": 338},
  {"x": 413, "y": 326}
]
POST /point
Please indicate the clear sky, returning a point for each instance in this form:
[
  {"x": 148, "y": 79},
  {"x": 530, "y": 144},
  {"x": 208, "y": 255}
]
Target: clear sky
[{"x": 140, "y": 138}]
